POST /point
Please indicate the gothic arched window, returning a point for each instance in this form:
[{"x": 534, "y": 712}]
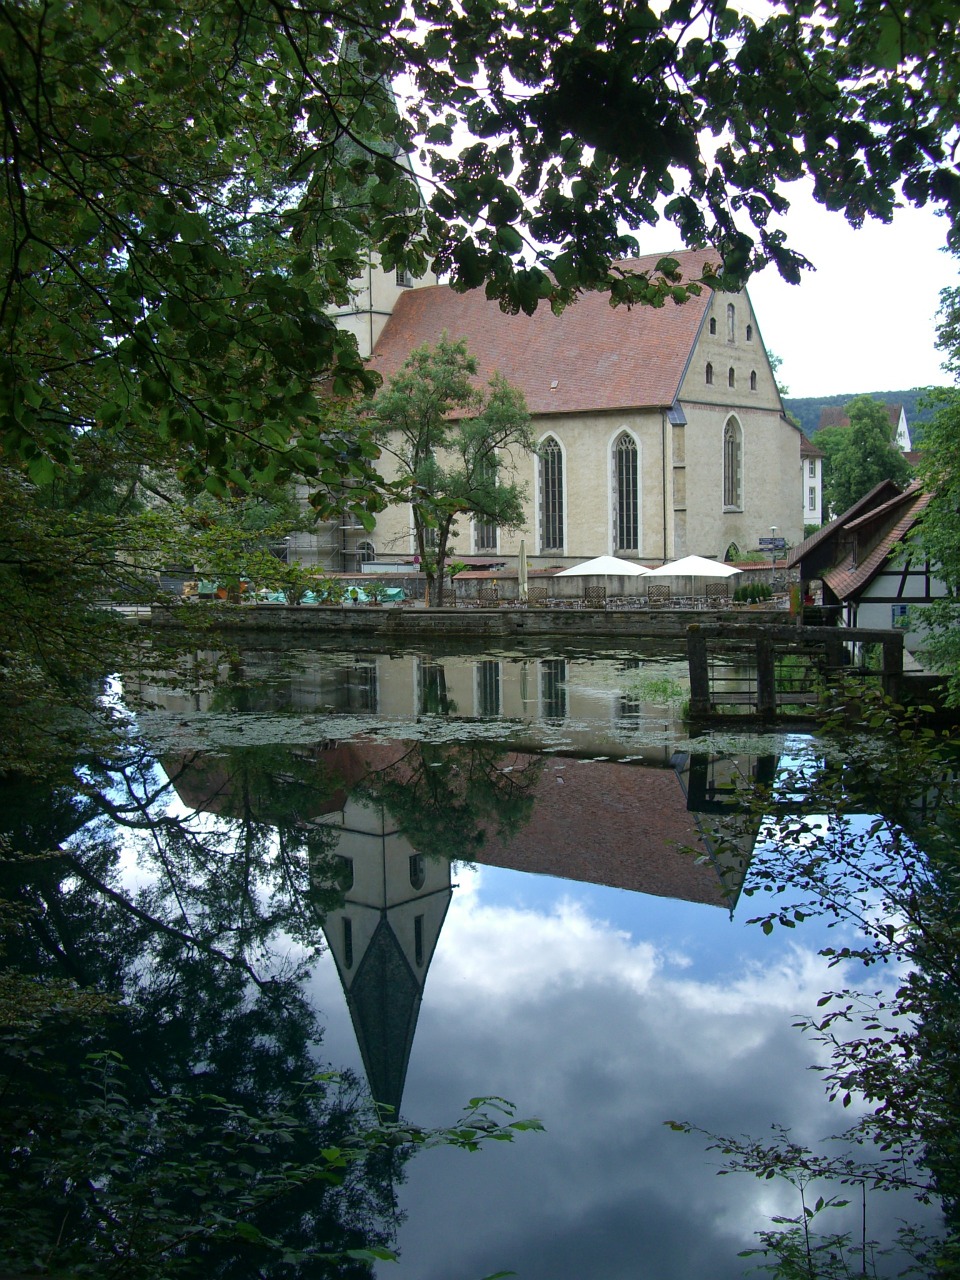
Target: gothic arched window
[
  {"x": 731, "y": 322},
  {"x": 551, "y": 495},
  {"x": 709, "y": 374},
  {"x": 627, "y": 516},
  {"x": 732, "y": 466}
]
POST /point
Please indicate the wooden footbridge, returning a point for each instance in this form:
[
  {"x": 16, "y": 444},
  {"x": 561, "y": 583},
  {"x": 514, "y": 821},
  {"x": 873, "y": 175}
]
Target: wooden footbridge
[{"x": 772, "y": 671}]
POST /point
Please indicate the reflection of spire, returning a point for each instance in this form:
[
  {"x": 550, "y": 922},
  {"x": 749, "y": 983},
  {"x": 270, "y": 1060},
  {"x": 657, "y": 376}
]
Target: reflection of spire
[
  {"x": 384, "y": 1003},
  {"x": 383, "y": 938}
]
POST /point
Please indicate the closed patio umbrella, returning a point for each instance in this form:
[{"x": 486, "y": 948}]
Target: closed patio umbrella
[{"x": 522, "y": 571}]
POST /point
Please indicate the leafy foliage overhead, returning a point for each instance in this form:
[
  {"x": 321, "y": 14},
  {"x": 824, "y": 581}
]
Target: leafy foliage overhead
[{"x": 188, "y": 186}]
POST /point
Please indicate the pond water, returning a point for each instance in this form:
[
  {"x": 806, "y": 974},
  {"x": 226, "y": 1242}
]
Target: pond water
[{"x": 505, "y": 873}]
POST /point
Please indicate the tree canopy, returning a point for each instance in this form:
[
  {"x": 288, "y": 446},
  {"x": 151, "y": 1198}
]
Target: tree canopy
[
  {"x": 189, "y": 186},
  {"x": 859, "y": 456},
  {"x": 937, "y": 538},
  {"x": 455, "y": 447}
]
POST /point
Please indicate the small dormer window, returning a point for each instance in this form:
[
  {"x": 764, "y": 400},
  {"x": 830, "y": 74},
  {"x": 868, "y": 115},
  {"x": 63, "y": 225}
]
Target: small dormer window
[
  {"x": 708, "y": 374},
  {"x": 404, "y": 278},
  {"x": 713, "y": 325}
]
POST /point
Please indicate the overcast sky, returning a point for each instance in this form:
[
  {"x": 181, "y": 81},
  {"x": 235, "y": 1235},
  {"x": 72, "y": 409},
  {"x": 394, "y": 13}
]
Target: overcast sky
[
  {"x": 606, "y": 1014},
  {"x": 865, "y": 319}
]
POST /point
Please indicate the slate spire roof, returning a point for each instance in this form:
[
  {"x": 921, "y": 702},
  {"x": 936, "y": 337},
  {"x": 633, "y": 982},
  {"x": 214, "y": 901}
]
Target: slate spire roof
[{"x": 592, "y": 357}]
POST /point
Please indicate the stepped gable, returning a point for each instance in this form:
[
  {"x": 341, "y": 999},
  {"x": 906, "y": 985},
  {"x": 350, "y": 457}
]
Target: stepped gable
[{"x": 592, "y": 357}]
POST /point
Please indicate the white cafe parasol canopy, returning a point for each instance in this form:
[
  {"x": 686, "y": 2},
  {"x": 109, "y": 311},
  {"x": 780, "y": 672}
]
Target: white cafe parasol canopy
[
  {"x": 608, "y": 566},
  {"x": 694, "y": 567}
]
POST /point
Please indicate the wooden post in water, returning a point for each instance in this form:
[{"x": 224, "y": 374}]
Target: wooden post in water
[
  {"x": 892, "y": 666},
  {"x": 699, "y": 671},
  {"x": 766, "y": 677},
  {"x": 834, "y": 652}
]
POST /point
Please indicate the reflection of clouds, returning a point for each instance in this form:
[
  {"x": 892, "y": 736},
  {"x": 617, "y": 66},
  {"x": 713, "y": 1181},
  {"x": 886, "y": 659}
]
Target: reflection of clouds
[{"x": 604, "y": 1036}]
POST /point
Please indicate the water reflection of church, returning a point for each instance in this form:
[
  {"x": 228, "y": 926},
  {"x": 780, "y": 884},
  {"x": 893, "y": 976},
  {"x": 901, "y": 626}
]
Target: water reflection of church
[{"x": 393, "y": 813}]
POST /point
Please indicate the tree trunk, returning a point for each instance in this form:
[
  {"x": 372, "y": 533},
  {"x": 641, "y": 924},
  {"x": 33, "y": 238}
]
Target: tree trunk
[{"x": 443, "y": 537}]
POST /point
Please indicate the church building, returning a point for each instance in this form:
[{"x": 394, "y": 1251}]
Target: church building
[{"x": 660, "y": 431}]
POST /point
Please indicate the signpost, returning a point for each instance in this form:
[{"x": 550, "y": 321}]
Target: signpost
[{"x": 773, "y": 544}]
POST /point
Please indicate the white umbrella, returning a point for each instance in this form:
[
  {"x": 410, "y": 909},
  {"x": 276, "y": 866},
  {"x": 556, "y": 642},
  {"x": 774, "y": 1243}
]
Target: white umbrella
[
  {"x": 694, "y": 567},
  {"x": 522, "y": 571},
  {"x": 606, "y": 566}
]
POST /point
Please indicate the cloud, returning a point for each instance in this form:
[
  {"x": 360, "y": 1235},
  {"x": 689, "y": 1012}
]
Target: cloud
[{"x": 603, "y": 1034}]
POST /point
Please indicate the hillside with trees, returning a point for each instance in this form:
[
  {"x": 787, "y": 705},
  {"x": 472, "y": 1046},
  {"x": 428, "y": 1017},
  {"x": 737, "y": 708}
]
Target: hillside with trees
[{"x": 807, "y": 409}]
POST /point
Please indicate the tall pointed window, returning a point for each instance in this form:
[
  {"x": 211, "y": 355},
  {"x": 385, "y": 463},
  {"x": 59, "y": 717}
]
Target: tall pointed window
[
  {"x": 627, "y": 517},
  {"x": 731, "y": 322},
  {"x": 485, "y": 531},
  {"x": 551, "y": 495},
  {"x": 485, "y": 535},
  {"x": 709, "y": 374},
  {"x": 732, "y": 466}
]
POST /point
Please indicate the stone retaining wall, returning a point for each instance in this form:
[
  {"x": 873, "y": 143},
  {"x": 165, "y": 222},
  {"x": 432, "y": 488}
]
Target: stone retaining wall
[{"x": 390, "y": 622}]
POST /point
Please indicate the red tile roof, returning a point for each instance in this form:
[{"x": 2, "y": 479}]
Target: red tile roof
[
  {"x": 848, "y": 578},
  {"x": 834, "y": 416},
  {"x": 808, "y": 449},
  {"x": 593, "y": 356},
  {"x": 887, "y": 488},
  {"x": 613, "y": 824}
]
